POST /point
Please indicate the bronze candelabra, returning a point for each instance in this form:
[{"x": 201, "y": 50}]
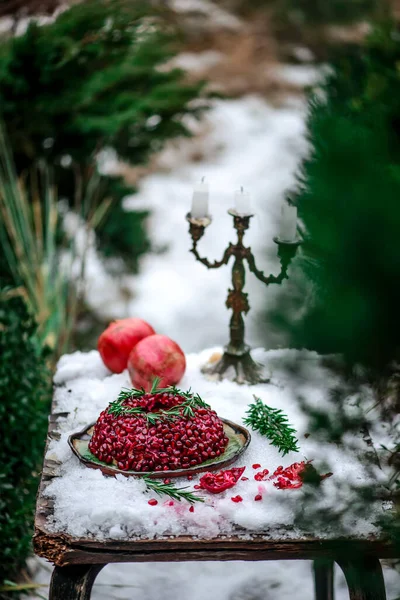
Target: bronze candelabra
[{"x": 236, "y": 357}]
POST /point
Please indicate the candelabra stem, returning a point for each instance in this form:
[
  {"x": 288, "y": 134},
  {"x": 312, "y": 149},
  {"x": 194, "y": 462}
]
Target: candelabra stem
[
  {"x": 236, "y": 345},
  {"x": 240, "y": 368},
  {"x": 236, "y": 362}
]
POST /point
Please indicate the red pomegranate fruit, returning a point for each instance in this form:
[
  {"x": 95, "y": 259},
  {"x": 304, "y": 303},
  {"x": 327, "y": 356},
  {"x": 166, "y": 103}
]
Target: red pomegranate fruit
[
  {"x": 160, "y": 430},
  {"x": 156, "y": 356},
  {"x": 117, "y": 341}
]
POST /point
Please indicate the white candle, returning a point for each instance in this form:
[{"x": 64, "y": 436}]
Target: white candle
[
  {"x": 200, "y": 200},
  {"x": 242, "y": 202},
  {"x": 288, "y": 229}
]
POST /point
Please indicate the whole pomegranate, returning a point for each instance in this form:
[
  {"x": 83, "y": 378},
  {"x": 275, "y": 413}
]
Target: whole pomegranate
[
  {"x": 157, "y": 431},
  {"x": 117, "y": 341},
  {"x": 156, "y": 356}
]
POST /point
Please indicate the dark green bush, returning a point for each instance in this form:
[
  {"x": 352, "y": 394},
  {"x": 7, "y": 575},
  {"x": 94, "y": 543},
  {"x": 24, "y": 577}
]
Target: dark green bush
[
  {"x": 327, "y": 12},
  {"x": 94, "y": 80},
  {"x": 344, "y": 295},
  {"x": 348, "y": 200},
  {"x": 25, "y": 393},
  {"x": 309, "y": 12}
]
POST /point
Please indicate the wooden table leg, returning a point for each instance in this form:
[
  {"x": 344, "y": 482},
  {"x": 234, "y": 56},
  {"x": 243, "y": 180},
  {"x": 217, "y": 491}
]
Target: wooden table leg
[
  {"x": 364, "y": 578},
  {"x": 73, "y": 583},
  {"x": 323, "y": 579}
]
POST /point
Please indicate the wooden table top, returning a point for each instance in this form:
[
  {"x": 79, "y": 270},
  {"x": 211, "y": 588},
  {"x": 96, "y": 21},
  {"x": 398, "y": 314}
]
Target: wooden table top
[{"x": 63, "y": 549}]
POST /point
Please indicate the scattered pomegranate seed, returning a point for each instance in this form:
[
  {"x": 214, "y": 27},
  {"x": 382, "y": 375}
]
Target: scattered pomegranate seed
[
  {"x": 258, "y": 498},
  {"x": 245, "y": 478},
  {"x": 167, "y": 481},
  {"x": 191, "y": 509},
  {"x": 262, "y": 475},
  {"x": 197, "y": 487},
  {"x": 190, "y": 477},
  {"x": 256, "y": 466},
  {"x": 237, "y": 499},
  {"x": 170, "y": 503},
  {"x": 152, "y": 502}
]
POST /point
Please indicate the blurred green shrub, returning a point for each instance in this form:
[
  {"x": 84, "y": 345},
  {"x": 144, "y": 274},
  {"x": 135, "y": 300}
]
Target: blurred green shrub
[
  {"x": 326, "y": 12},
  {"x": 309, "y": 12},
  {"x": 40, "y": 258},
  {"x": 347, "y": 295},
  {"x": 95, "y": 79},
  {"x": 25, "y": 392},
  {"x": 321, "y": 26}
]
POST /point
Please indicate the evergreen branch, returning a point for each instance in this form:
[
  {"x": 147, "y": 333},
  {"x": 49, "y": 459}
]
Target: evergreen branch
[
  {"x": 170, "y": 490},
  {"x": 273, "y": 424}
]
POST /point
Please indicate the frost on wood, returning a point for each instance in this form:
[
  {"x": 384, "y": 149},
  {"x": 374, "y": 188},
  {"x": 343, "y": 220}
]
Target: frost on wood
[{"x": 87, "y": 503}]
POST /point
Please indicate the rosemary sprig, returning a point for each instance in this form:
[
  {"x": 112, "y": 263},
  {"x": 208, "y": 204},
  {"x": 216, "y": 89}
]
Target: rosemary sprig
[
  {"x": 169, "y": 489},
  {"x": 192, "y": 401},
  {"x": 273, "y": 424}
]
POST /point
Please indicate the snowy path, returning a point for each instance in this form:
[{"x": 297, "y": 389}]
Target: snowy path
[{"x": 249, "y": 143}]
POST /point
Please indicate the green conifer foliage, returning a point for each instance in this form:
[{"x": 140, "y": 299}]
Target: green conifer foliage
[
  {"x": 348, "y": 292},
  {"x": 25, "y": 392},
  {"x": 93, "y": 79},
  {"x": 328, "y": 11}
]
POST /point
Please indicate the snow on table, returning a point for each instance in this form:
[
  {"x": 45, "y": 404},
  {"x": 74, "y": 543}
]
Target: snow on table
[{"x": 87, "y": 503}]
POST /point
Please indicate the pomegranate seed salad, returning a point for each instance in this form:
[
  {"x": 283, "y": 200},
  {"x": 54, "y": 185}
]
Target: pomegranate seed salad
[{"x": 163, "y": 430}]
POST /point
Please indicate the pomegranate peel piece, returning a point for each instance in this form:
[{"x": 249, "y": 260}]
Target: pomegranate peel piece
[
  {"x": 294, "y": 476},
  {"x": 215, "y": 483}
]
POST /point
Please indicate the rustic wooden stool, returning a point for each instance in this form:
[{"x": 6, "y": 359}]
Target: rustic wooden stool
[{"x": 78, "y": 560}]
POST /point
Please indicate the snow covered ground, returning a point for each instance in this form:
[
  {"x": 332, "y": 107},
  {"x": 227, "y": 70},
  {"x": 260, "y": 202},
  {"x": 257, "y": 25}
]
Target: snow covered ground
[
  {"x": 272, "y": 580},
  {"x": 117, "y": 508},
  {"x": 247, "y": 143}
]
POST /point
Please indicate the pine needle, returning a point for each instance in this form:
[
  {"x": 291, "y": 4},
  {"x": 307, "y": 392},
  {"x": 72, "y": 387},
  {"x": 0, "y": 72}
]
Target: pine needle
[
  {"x": 169, "y": 489},
  {"x": 273, "y": 424},
  {"x": 186, "y": 408}
]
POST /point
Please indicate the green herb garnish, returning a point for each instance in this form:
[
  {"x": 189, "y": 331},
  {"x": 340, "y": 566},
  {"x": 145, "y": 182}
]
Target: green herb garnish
[
  {"x": 192, "y": 401},
  {"x": 273, "y": 424},
  {"x": 169, "y": 489}
]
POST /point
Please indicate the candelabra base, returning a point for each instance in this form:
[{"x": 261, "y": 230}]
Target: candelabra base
[{"x": 239, "y": 368}]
